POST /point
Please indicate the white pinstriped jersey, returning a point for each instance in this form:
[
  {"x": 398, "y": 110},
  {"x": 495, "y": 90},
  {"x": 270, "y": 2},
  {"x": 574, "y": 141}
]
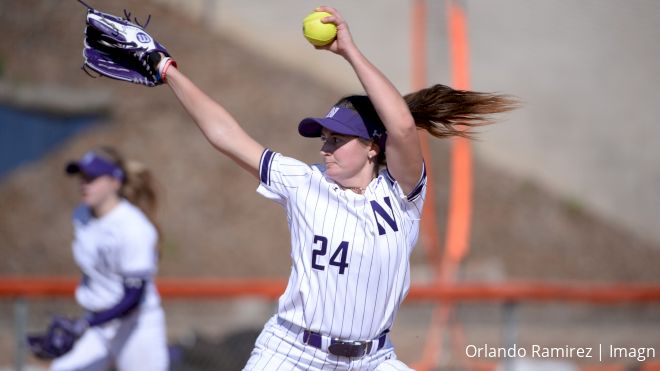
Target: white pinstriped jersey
[
  {"x": 350, "y": 253},
  {"x": 119, "y": 245}
]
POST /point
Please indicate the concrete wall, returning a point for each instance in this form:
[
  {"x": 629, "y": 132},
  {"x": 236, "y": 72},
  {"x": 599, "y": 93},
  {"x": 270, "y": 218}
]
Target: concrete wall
[{"x": 587, "y": 71}]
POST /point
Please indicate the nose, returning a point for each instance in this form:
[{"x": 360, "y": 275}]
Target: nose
[{"x": 327, "y": 148}]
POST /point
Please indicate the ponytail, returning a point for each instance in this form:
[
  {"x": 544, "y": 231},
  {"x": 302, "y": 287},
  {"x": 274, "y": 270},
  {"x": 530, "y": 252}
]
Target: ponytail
[
  {"x": 138, "y": 186},
  {"x": 442, "y": 111},
  {"x": 446, "y": 112}
]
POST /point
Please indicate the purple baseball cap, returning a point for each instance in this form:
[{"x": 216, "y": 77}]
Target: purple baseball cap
[
  {"x": 92, "y": 165},
  {"x": 345, "y": 121}
]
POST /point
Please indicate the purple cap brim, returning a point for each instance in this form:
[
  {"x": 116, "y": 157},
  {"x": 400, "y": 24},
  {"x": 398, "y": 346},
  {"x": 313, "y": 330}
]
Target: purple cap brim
[
  {"x": 339, "y": 120},
  {"x": 313, "y": 127},
  {"x": 343, "y": 121},
  {"x": 94, "y": 166}
]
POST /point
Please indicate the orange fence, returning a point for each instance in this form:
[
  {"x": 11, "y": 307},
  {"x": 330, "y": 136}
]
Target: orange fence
[
  {"x": 21, "y": 288},
  {"x": 42, "y": 287}
]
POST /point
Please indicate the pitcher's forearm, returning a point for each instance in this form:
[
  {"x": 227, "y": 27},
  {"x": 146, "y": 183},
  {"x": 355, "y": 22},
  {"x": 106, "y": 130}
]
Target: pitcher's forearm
[
  {"x": 216, "y": 123},
  {"x": 387, "y": 100}
]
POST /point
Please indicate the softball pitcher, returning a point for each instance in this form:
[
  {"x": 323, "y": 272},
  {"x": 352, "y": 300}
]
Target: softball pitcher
[
  {"x": 353, "y": 219},
  {"x": 115, "y": 246}
]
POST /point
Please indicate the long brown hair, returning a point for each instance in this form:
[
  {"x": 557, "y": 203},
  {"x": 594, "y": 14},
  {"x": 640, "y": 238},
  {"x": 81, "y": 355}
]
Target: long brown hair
[
  {"x": 138, "y": 185},
  {"x": 442, "y": 111},
  {"x": 446, "y": 112}
]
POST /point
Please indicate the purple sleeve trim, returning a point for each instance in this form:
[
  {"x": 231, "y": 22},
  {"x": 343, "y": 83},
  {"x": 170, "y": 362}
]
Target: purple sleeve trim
[
  {"x": 264, "y": 166},
  {"x": 418, "y": 188},
  {"x": 420, "y": 185},
  {"x": 133, "y": 293}
]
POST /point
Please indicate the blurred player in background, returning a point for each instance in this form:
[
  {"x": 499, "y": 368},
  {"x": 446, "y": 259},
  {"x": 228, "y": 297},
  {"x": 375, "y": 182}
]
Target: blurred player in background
[
  {"x": 116, "y": 248},
  {"x": 353, "y": 220}
]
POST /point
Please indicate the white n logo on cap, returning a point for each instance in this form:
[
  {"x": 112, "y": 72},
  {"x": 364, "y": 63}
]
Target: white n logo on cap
[
  {"x": 332, "y": 112},
  {"x": 87, "y": 158}
]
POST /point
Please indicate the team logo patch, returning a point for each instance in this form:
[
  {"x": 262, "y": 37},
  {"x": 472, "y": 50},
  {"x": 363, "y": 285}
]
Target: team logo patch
[
  {"x": 143, "y": 37},
  {"x": 87, "y": 158},
  {"x": 332, "y": 112}
]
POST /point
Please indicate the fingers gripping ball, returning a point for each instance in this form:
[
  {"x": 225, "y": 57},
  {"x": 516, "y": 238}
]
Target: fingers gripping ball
[{"x": 317, "y": 32}]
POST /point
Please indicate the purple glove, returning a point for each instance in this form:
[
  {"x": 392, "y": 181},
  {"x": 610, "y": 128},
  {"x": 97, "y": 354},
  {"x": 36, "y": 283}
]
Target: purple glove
[
  {"x": 120, "y": 49},
  {"x": 59, "y": 339}
]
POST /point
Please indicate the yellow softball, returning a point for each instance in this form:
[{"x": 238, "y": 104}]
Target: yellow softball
[{"x": 317, "y": 32}]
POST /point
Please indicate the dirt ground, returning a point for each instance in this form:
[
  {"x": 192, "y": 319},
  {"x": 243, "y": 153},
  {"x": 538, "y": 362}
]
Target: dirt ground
[{"x": 214, "y": 224}]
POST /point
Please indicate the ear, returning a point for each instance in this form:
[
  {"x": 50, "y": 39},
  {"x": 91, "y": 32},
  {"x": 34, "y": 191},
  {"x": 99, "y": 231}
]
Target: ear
[
  {"x": 116, "y": 184},
  {"x": 374, "y": 150}
]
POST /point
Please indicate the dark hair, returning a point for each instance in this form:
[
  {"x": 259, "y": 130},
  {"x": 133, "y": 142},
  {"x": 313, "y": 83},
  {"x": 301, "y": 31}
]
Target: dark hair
[
  {"x": 138, "y": 186},
  {"x": 363, "y": 106},
  {"x": 442, "y": 111}
]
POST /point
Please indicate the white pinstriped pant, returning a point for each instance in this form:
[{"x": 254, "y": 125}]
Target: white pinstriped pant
[
  {"x": 278, "y": 348},
  {"x": 136, "y": 342}
]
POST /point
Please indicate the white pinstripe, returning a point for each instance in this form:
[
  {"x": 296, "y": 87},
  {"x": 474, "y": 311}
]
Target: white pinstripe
[{"x": 350, "y": 255}]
